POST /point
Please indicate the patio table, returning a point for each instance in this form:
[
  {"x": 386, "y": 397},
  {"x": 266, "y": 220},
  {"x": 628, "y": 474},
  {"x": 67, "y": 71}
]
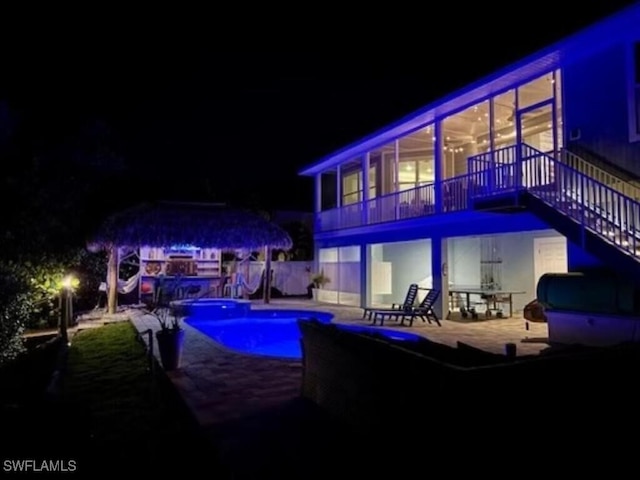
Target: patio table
[{"x": 491, "y": 298}]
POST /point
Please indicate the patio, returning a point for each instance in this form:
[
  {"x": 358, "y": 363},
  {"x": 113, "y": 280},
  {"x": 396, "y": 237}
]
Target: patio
[{"x": 237, "y": 397}]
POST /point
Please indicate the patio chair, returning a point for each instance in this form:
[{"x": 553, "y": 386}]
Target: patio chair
[
  {"x": 409, "y": 301},
  {"x": 424, "y": 311},
  {"x": 397, "y": 313}
]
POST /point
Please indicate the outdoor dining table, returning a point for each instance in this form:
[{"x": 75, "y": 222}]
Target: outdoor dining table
[{"x": 491, "y": 297}]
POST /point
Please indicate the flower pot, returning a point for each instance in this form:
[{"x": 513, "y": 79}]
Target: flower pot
[
  {"x": 170, "y": 344},
  {"x": 314, "y": 294}
]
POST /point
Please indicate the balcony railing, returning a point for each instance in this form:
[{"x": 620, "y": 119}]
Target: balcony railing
[{"x": 490, "y": 173}]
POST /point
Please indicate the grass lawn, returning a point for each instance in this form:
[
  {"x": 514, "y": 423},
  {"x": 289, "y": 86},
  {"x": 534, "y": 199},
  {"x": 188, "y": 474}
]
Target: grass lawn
[{"x": 133, "y": 419}]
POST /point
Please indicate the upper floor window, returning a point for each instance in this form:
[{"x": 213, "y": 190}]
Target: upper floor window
[
  {"x": 636, "y": 59},
  {"x": 352, "y": 186}
]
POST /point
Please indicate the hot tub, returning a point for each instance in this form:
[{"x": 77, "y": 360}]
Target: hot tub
[{"x": 212, "y": 308}]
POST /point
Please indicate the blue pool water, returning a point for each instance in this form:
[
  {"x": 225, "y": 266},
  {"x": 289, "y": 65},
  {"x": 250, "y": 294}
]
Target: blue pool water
[{"x": 272, "y": 333}]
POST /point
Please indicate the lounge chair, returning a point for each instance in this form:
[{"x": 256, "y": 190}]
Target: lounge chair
[
  {"x": 424, "y": 311},
  {"x": 409, "y": 301}
]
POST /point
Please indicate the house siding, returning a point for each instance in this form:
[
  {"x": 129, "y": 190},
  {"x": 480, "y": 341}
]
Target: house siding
[{"x": 596, "y": 103}]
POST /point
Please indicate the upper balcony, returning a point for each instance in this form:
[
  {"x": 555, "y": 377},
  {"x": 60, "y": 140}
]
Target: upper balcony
[
  {"x": 448, "y": 196},
  {"x": 425, "y": 170}
]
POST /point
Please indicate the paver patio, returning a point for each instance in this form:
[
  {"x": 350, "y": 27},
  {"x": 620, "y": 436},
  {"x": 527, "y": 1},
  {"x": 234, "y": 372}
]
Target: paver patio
[
  {"x": 235, "y": 395},
  {"x": 221, "y": 385}
]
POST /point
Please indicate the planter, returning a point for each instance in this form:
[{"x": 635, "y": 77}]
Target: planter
[
  {"x": 327, "y": 296},
  {"x": 170, "y": 345},
  {"x": 314, "y": 294}
]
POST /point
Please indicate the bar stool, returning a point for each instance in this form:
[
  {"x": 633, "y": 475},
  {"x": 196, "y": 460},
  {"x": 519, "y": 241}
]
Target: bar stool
[{"x": 232, "y": 290}]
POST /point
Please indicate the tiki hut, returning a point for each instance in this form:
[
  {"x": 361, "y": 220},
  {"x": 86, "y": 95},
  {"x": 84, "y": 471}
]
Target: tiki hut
[{"x": 206, "y": 225}]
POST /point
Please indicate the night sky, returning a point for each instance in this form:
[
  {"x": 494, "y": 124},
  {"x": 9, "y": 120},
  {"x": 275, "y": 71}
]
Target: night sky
[{"x": 245, "y": 110}]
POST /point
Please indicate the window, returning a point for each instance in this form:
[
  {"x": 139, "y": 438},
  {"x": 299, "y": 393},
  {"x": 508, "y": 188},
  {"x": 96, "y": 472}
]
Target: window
[
  {"x": 415, "y": 173},
  {"x": 352, "y": 185},
  {"x": 637, "y": 62},
  {"x": 633, "y": 91},
  {"x": 636, "y": 59},
  {"x": 351, "y": 188}
]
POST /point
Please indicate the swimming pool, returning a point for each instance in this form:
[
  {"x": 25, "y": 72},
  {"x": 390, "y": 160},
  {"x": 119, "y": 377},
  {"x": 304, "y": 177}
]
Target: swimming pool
[{"x": 273, "y": 333}]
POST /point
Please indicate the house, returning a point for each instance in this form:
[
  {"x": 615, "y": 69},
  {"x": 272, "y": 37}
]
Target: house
[{"x": 530, "y": 170}]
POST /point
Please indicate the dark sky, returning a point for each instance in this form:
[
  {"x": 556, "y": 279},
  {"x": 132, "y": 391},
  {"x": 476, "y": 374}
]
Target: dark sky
[{"x": 248, "y": 104}]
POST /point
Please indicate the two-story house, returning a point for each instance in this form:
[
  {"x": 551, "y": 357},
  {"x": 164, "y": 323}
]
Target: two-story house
[{"x": 530, "y": 170}]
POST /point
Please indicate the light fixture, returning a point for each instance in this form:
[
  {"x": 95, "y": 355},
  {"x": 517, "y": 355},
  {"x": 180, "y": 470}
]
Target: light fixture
[{"x": 69, "y": 282}]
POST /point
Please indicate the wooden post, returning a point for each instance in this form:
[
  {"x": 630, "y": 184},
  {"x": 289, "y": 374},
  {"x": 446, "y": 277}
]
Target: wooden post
[
  {"x": 112, "y": 279},
  {"x": 267, "y": 274},
  {"x": 246, "y": 258}
]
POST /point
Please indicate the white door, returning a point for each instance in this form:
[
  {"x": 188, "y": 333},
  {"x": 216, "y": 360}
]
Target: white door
[{"x": 549, "y": 256}]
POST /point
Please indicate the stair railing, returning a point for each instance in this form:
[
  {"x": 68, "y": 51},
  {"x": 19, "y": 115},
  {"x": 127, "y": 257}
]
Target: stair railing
[
  {"x": 594, "y": 205},
  {"x": 590, "y": 170}
]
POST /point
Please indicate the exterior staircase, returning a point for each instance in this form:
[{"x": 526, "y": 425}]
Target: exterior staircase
[
  {"x": 593, "y": 211},
  {"x": 592, "y": 167}
]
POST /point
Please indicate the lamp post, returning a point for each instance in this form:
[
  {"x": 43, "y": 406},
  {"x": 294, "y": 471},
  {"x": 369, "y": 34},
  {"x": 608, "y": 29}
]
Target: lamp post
[{"x": 66, "y": 300}]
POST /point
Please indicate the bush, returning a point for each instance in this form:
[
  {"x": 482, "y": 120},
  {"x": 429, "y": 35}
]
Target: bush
[
  {"x": 40, "y": 277},
  {"x": 15, "y": 309}
]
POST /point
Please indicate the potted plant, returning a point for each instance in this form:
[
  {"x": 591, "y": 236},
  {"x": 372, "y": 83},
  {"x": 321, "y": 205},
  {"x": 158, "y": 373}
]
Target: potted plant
[
  {"x": 318, "y": 281},
  {"x": 170, "y": 337}
]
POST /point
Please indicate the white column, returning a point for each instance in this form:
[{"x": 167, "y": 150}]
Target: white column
[
  {"x": 396, "y": 176},
  {"x": 492, "y": 171},
  {"x": 396, "y": 165},
  {"x": 440, "y": 275},
  {"x": 338, "y": 187},
  {"x": 438, "y": 166},
  {"x": 365, "y": 277},
  {"x": 365, "y": 188},
  {"x": 318, "y": 192},
  {"x": 317, "y": 207}
]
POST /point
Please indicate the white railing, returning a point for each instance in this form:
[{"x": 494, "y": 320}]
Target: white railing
[
  {"x": 415, "y": 202},
  {"x": 615, "y": 217},
  {"x": 604, "y": 210},
  {"x": 581, "y": 165}
]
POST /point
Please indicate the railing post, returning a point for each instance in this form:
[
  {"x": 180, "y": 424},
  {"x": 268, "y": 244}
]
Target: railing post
[
  {"x": 365, "y": 188},
  {"x": 519, "y": 172},
  {"x": 492, "y": 172},
  {"x": 582, "y": 210}
]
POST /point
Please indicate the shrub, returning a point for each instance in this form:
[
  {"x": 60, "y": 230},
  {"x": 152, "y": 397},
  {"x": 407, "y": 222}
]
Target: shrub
[
  {"x": 42, "y": 275},
  {"x": 15, "y": 309}
]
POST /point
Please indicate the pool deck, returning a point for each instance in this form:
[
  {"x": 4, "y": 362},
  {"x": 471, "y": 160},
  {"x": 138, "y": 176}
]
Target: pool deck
[{"x": 231, "y": 394}]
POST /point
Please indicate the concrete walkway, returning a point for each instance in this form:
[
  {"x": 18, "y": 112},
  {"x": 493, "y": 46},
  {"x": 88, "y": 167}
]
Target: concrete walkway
[{"x": 250, "y": 405}]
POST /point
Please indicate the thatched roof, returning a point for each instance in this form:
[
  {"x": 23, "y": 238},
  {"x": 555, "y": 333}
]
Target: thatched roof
[{"x": 204, "y": 225}]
